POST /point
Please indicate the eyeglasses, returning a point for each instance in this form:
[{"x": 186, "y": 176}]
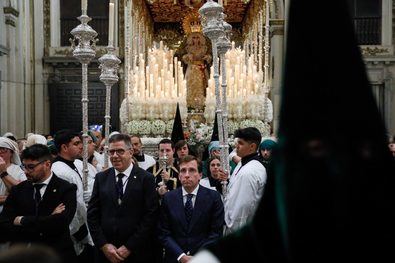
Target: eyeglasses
[
  {"x": 31, "y": 167},
  {"x": 118, "y": 151}
]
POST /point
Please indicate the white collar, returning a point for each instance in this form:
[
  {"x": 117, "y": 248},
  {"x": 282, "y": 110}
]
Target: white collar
[
  {"x": 126, "y": 172},
  {"x": 194, "y": 192},
  {"x": 46, "y": 182}
]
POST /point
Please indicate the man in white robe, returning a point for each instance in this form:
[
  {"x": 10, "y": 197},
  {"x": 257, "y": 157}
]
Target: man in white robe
[
  {"x": 69, "y": 146},
  {"x": 145, "y": 161},
  {"x": 247, "y": 181}
]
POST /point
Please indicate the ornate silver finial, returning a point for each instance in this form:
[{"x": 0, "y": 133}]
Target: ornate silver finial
[
  {"x": 83, "y": 45},
  {"x": 109, "y": 64}
]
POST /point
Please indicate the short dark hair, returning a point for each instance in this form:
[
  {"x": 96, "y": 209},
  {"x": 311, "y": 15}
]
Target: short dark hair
[
  {"x": 121, "y": 137},
  {"x": 138, "y": 137},
  {"x": 166, "y": 141},
  {"x": 249, "y": 134},
  {"x": 190, "y": 158},
  {"x": 36, "y": 152},
  {"x": 180, "y": 144},
  {"x": 64, "y": 137}
]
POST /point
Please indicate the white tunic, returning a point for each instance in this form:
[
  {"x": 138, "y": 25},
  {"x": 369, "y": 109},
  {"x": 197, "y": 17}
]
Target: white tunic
[
  {"x": 148, "y": 162},
  {"x": 65, "y": 172},
  {"x": 16, "y": 173},
  {"x": 245, "y": 190}
]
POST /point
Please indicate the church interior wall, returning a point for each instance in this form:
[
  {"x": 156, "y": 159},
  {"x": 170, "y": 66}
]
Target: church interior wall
[{"x": 24, "y": 88}]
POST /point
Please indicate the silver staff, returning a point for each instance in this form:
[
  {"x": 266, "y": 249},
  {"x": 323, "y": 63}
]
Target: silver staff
[
  {"x": 213, "y": 27},
  {"x": 109, "y": 64},
  {"x": 83, "y": 45},
  {"x": 163, "y": 166}
]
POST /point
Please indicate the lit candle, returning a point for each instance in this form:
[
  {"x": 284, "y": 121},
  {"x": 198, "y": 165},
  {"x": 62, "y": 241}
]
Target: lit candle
[
  {"x": 111, "y": 24},
  {"x": 84, "y": 6}
]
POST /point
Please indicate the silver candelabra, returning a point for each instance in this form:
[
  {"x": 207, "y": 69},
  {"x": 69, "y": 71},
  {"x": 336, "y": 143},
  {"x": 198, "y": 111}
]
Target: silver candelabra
[
  {"x": 216, "y": 30},
  {"x": 109, "y": 64},
  {"x": 83, "y": 45}
]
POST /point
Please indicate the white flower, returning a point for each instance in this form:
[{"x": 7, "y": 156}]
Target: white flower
[
  {"x": 158, "y": 127},
  {"x": 144, "y": 127}
]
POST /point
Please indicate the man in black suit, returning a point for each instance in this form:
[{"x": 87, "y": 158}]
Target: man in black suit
[
  {"x": 40, "y": 209},
  {"x": 191, "y": 217},
  {"x": 122, "y": 212}
]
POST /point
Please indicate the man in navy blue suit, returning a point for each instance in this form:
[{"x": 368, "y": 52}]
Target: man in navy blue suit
[{"x": 191, "y": 217}]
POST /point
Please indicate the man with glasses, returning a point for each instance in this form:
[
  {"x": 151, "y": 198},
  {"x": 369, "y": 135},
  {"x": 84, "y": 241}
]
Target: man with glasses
[
  {"x": 40, "y": 209},
  {"x": 69, "y": 146},
  {"x": 123, "y": 209}
]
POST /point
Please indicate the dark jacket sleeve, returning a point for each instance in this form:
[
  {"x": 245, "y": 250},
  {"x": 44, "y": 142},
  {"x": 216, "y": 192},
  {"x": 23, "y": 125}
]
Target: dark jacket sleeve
[
  {"x": 51, "y": 224},
  {"x": 148, "y": 223},
  {"x": 217, "y": 220},
  {"x": 94, "y": 215},
  {"x": 164, "y": 230},
  {"x": 55, "y": 223}
]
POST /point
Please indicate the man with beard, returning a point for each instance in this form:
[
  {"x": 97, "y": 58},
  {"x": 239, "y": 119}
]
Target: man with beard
[{"x": 40, "y": 209}]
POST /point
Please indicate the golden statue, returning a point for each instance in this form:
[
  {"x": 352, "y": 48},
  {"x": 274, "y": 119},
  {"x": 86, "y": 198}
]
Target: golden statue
[{"x": 195, "y": 53}]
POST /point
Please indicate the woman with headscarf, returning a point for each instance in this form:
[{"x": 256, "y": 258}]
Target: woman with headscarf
[
  {"x": 265, "y": 151},
  {"x": 213, "y": 179},
  {"x": 10, "y": 171}
]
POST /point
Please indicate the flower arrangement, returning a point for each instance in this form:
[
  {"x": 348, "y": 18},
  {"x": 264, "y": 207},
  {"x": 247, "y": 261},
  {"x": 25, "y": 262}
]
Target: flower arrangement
[{"x": 158, "y": 127}]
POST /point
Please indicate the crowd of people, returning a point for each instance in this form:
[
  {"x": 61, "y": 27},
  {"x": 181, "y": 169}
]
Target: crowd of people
[{"x": 136, "y": 208}]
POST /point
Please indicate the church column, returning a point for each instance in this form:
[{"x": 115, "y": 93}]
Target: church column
[
  {"x": 277, "y": 60},
  {"x": 41, "y": 99}
]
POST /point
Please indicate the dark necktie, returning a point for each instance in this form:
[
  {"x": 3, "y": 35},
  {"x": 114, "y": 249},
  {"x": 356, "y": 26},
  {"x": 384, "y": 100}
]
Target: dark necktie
[
  {"x": 188, "y": 208},
  {"x": 120, "y": 186},
  {"x": 37, "y": 194}
]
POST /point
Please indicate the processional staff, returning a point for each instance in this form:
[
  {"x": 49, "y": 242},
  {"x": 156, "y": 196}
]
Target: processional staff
[
  {"x": 109, "y": 64},
  {"x": 214, "y": 28},
  {"x": 83, "y": 45}
]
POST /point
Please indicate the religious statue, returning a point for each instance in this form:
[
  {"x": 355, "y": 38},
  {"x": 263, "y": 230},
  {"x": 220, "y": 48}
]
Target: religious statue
[{"x": 197, "y": 58}]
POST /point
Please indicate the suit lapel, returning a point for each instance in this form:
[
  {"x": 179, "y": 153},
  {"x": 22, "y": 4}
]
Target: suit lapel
[
  {"x": 51, "y": 188},
  {"x": 29, "y": 198},
  {"x": 179, "y": 206},
  {"x": 131, "y": 180},
  {"x": 111, "y": 185},
  {"x": 198, "y": 207}
]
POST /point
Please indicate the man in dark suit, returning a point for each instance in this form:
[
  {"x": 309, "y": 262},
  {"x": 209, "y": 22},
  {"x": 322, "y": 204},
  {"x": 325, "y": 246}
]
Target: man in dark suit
[
  {"x": 40, "y": 209},
  {"x": 122, "y": 212},
  {"x": 191, "y": 217}
]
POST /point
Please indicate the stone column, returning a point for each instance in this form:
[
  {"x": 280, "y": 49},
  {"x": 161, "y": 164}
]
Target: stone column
[{"x": 277, "y": 61}]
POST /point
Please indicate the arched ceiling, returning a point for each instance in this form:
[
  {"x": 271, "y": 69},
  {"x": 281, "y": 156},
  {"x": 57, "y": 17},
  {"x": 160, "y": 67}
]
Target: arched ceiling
[{"x": 164, "y": 11}]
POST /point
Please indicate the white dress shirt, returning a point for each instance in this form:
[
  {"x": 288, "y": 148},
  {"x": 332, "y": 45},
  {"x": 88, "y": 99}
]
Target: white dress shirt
[
  {"x": 126, "y": 177},
  {"x": 44, "y": 187},
  {"x": 184, "y": 199},
  {"x": 185, "y": 195}
]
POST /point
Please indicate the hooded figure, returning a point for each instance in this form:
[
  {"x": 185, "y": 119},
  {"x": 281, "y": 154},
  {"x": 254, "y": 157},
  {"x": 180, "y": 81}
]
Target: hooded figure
[
  {"x": 266, "y": 149},
  {"x": 332, "y": 194}
]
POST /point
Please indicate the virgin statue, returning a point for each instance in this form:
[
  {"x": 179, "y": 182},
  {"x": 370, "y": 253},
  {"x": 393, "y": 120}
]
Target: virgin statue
[{"x": 196, "y": 57}]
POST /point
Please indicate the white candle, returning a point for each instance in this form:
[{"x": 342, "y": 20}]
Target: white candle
[
  {"x": 84, "y": 6},
  {"x": 111, "y": 24}
]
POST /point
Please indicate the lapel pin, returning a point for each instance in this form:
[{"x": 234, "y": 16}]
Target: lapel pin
[
  {"x": 134, "y": 177},
  {"x": 54, "y": 190}
]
